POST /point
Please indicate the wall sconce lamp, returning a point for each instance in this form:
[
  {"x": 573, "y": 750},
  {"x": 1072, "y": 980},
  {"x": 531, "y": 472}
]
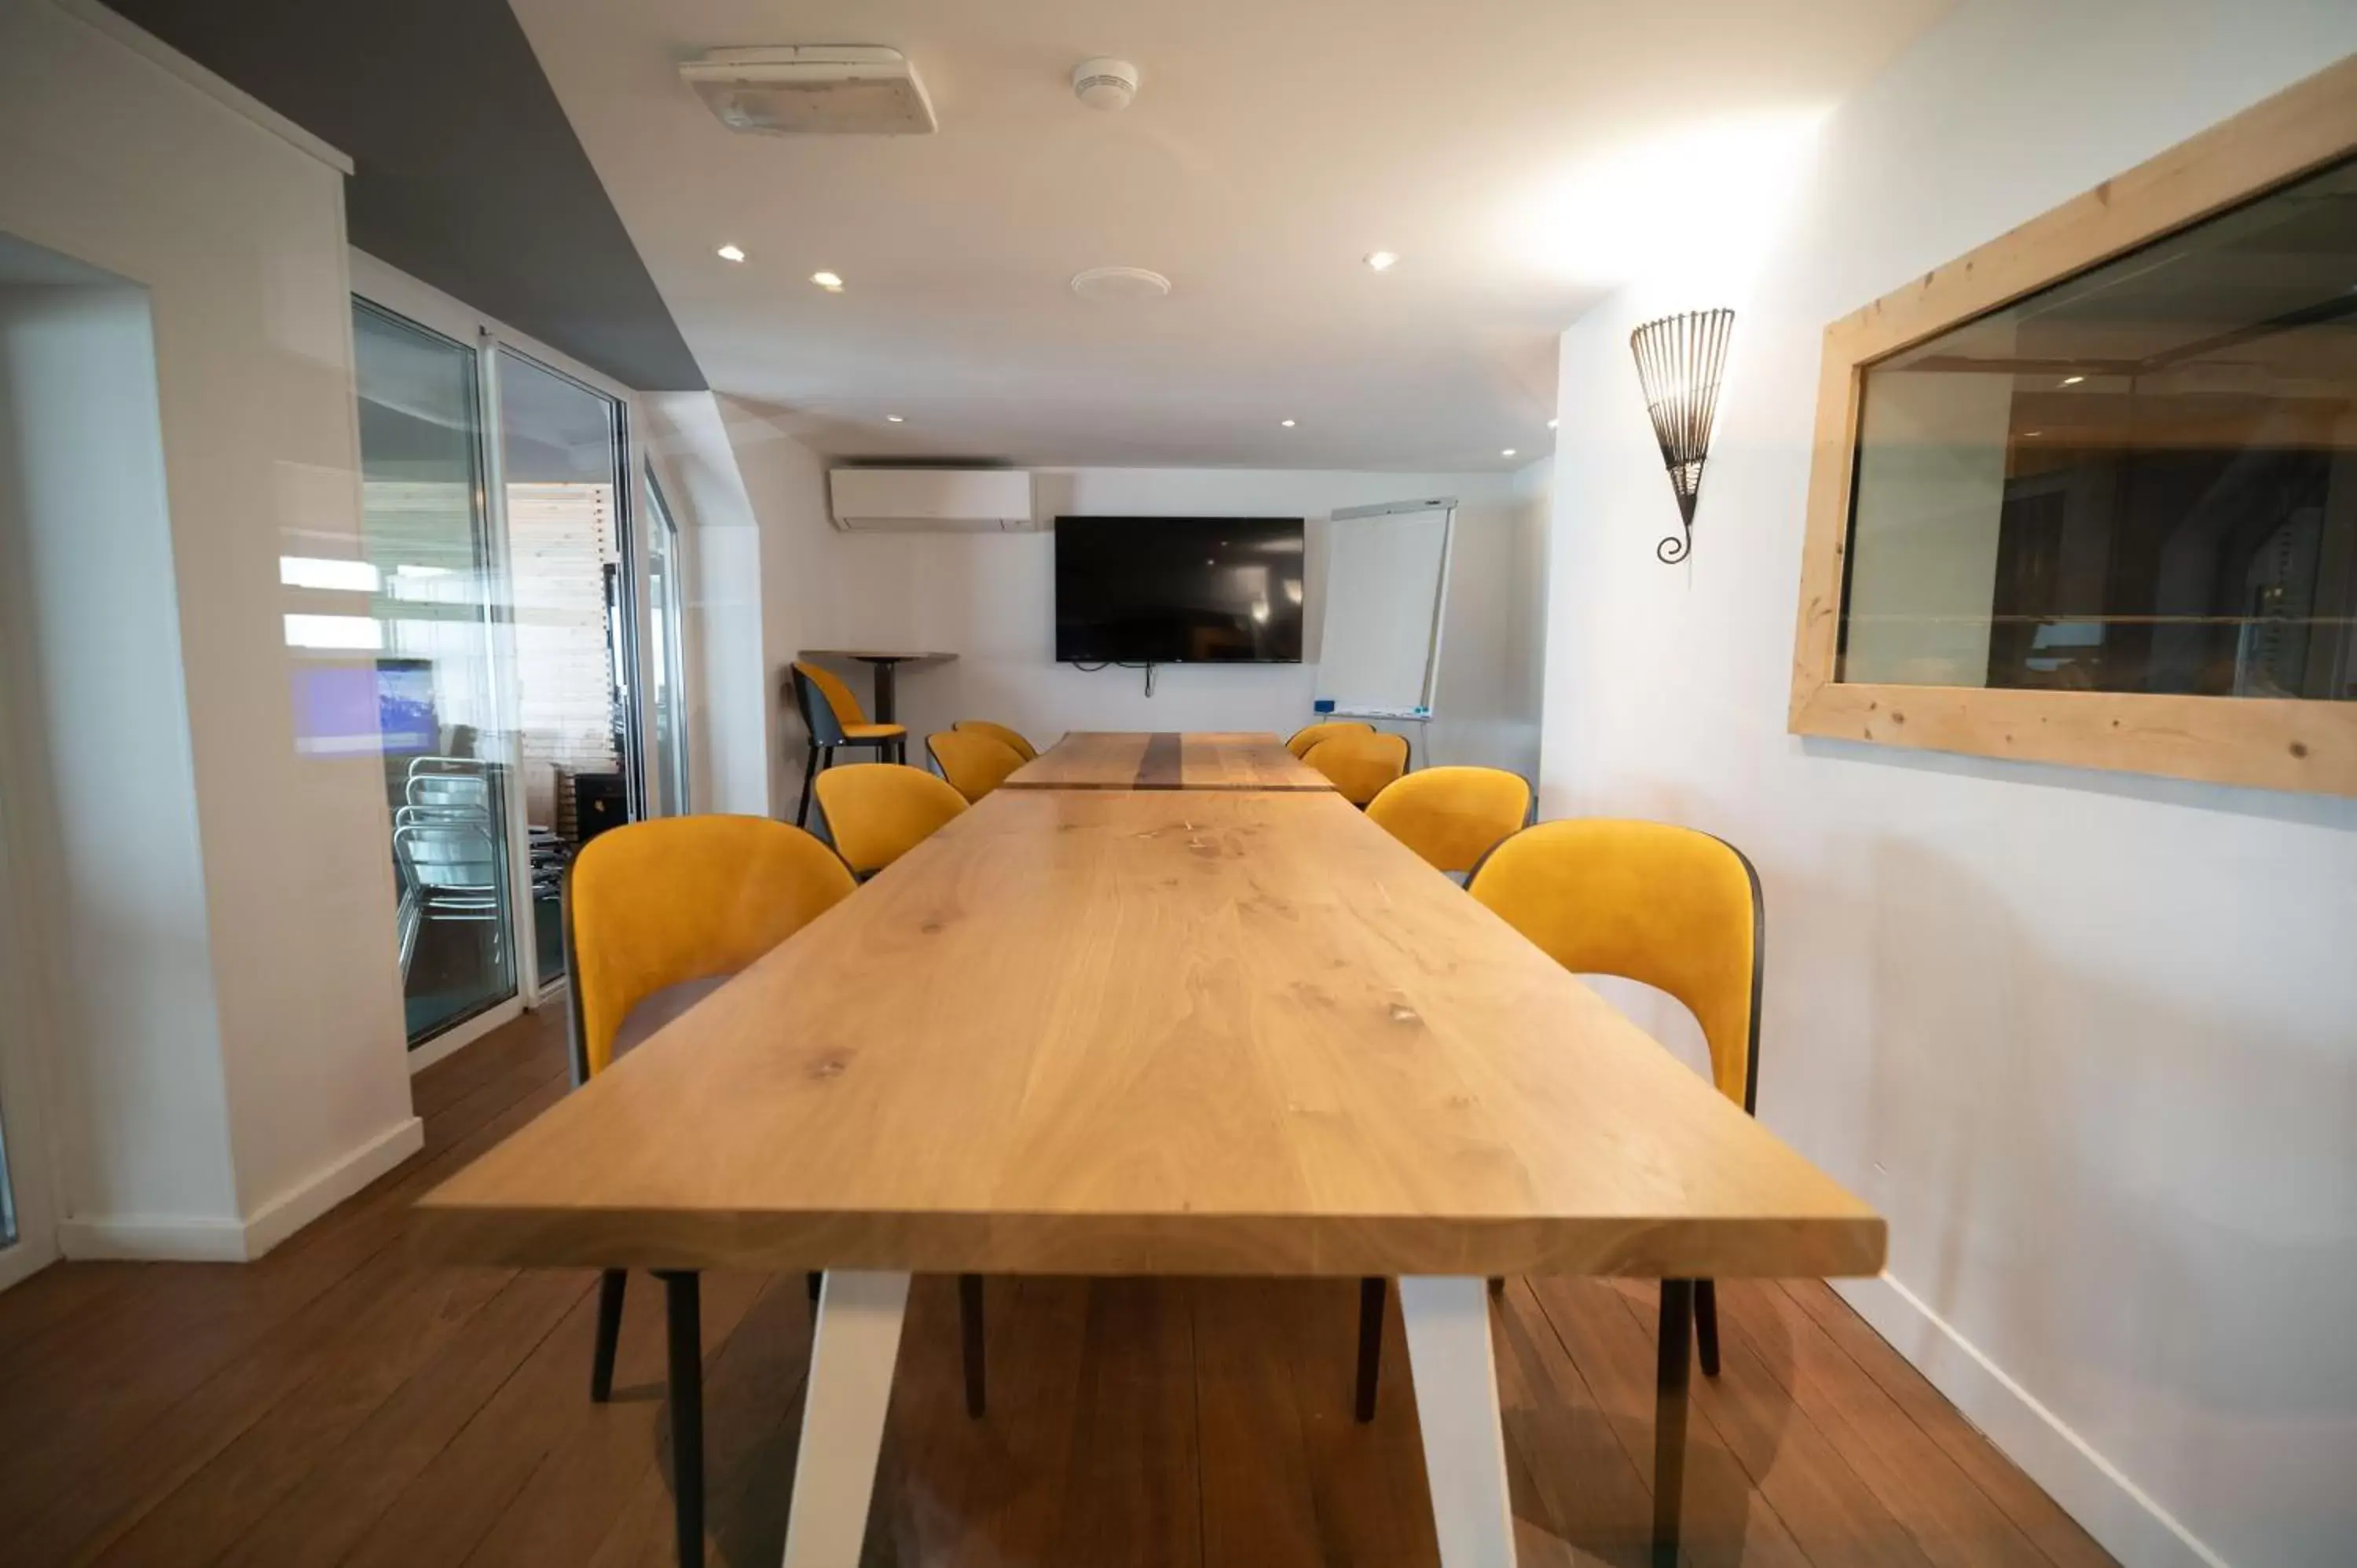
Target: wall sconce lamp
[{"x": 1679, "y": 359}]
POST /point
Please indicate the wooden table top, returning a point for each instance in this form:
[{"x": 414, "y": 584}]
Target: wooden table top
[
  {"x": 1142, "y": 760},
  {"x": 877, "y": 655},
  {"x": 1105, "y": 1033}
]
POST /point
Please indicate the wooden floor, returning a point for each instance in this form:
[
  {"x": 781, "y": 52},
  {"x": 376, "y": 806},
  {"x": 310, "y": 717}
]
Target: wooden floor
[{"x": 338, "y": 1403}]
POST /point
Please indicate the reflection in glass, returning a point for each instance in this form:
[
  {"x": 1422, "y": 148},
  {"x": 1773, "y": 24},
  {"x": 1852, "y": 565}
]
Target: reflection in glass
[
  {"x": 667, "y": 673},
  {"x": 2142, "y": 478},
  {"x": 561, "y": 454},
  {"x": 433, "y": 589}
]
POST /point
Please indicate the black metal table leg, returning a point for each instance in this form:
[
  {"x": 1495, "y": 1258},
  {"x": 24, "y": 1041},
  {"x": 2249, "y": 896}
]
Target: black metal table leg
[
  {"x": 611, "y": 1284},
  {"x": 1670, "y": 1418},
  {"x": 886, "y": 682},
  {"x": 1371, "y": 1291},
  {"x": 970, "y": 1338},
  {"x": 682, "y": 1299}
]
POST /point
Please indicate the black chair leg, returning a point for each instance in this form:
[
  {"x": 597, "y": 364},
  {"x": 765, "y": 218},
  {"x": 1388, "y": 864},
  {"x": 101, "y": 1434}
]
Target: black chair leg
[
  {"x": 1670, "y": 1417},
  {"x": 970, "y": 1342},
  {"x": 610, "y": 1286},
  {"x": 810, "y": 778},
  {"x": 1371, "y": 1295},
  {"x": 683, "y": 1301},
  {"x": 1706, "y": 1326}
]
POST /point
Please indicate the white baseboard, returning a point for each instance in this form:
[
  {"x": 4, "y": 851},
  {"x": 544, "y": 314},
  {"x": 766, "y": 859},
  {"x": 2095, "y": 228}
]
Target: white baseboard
[
  {"x": 154, "y": 1238},
  {"x": 2123, "y": 1518},
  {"x": 202, "y": 1239},
  {"x": 323, "y": 1189}
]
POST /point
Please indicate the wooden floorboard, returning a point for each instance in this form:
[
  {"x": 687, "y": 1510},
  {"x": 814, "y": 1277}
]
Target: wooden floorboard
[{"x": 338, "y": 1403}]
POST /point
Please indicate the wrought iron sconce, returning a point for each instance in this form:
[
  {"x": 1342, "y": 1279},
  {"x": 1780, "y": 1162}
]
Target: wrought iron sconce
[{"x": 1679, "y": 359}]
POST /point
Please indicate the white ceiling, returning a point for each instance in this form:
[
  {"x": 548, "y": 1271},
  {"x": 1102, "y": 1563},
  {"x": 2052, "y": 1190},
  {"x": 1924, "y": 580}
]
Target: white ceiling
[{"x": 1272, "y": 143}]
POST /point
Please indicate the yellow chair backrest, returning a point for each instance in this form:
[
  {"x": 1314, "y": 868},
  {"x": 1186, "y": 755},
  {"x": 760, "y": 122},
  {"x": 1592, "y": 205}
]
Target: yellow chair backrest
[
  {"x": 973, "y": 762},
  {"x": 838, "y": 694},
  {"x": 879, "y": 811},
  {"x": 1673, "y": 908},
  {"x": 652, "y": 904},
  {"x": 1013, "y": 739},
  {"x": 1360, "y": 765},
  {"x": 1453, "y": 816},
  {"x": 1308, "y": 735}
]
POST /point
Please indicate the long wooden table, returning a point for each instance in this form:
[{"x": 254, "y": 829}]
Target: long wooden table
[
  {"x": 1116, "y": 1033},
  {"x": 1137, "y": 759}
]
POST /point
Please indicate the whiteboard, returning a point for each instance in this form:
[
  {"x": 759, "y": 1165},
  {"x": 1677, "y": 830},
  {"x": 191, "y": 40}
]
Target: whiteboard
[{"x": 1386, "y": 576}]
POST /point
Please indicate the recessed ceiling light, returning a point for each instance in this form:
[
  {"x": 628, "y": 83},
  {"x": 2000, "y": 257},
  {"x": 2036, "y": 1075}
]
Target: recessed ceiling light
[
  {"x": 1382, "y": 261},
  {"x": 1119, "y": 286},
  {"x": 2028, "y": 435},
  {"x": 1286, "y": 423},
  {"x": 732, "y": 253},
  {"x": 892, "y": 419},
  {"x": 1507, "y": 453},
  {"x": 1550, "y": 424},
  {"x": 827, "y": 281},
  {"x": 2073, "y": 380}
]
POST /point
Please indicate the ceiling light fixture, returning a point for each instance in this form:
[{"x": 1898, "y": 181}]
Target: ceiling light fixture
[
  {"x": 827, "y": 281},
  {"x": 2073, "y": 380},
  {"x": 894, "y": 419},
  {"x": 1119, "y": 286},
  {"x": 1507, "y": 453},
  {"x": 1382, "y": 261},
  {"x": 1286, "y": 423},
  {"x": 732, "y": 253}
]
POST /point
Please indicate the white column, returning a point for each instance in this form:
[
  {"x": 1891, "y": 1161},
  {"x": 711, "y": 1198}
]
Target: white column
[
  {"x": 1456, "y": 1404},
  {"x": 858, "y": 1339}
]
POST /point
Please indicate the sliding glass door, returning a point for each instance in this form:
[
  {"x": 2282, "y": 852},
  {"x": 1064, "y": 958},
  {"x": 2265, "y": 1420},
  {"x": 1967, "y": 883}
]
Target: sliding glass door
[
  {"x": 439, "y": 597},
  {"x": 563, "y": 469}
]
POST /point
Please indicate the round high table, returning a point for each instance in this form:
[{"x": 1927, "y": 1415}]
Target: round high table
[{"x": 883, "y": 662}]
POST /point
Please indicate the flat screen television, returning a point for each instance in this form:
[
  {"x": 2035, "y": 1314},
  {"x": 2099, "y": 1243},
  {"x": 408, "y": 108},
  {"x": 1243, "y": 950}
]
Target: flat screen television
[{"x": 1179, "y": 590}]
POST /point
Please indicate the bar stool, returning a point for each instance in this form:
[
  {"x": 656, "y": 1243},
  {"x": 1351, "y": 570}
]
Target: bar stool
[{"x": 835, "y": 720}]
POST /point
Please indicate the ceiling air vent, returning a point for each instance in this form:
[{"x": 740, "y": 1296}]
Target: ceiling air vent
[{"x": 823, "y": 89}]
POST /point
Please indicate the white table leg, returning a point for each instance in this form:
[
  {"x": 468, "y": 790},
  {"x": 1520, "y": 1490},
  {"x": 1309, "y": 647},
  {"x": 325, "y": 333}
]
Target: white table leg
[
  {"x": 843, "y": 1419},
  {"x": 1457, "y": 1403}
]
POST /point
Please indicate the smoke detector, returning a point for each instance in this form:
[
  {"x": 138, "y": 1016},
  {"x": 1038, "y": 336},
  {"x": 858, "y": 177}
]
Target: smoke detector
[
  {"x": 813, "y": 90},
  {"x": 1104, "y": 83}
]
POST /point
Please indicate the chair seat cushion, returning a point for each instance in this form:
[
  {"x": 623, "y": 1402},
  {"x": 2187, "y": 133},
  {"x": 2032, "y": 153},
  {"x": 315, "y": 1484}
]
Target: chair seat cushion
[{"x": 873, "y": 731}]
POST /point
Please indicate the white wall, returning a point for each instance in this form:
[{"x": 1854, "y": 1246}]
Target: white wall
[
  {"x": 236, "y": 234},
  {"x": 728, "y": 739},
  {"x": 101, "y": 786},
  {"x": 2088, "y": 1040},
  {"x": 989, "y": 598}
]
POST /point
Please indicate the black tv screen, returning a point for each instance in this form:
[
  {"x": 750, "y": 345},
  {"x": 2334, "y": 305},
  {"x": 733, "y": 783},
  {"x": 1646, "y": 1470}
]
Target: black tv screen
[{"x": 1179, "y": 590}]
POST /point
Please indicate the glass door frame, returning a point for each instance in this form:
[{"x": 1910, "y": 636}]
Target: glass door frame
[
  {"x": 499, "y": 663},
  {"x": 390, "y": 289},
  {"x": 670, "y": 788}
]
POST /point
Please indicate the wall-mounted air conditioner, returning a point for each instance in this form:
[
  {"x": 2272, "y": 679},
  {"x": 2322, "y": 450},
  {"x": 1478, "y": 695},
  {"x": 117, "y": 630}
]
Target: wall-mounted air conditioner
[{"x": 932, "y": 500}]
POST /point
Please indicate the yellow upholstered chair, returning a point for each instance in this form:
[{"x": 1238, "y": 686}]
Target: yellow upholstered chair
[
  {"x": 879, "y": 811},
  {"x": 973, "y": 762},
  {"x": 1014, "y": 738},
  {"x": 834, "y": 719},
  {"x": 1680, "y": 911},
  {"x": 1302, "y": 739},
  {"x": 650, "y": 906},
  {"x": 1360, "y": 766},
  {"x": 1453, "y": 816}
]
